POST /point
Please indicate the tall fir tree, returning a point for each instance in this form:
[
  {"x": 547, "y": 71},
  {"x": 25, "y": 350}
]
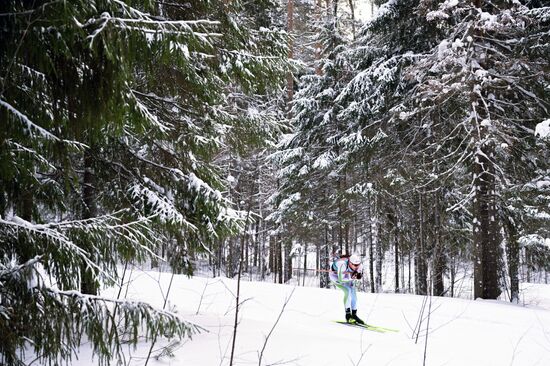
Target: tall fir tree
[
  {"x": 112, "y": 114},
  {"x": 439, "y": 81},
  {"x": 479, "y": 96}
]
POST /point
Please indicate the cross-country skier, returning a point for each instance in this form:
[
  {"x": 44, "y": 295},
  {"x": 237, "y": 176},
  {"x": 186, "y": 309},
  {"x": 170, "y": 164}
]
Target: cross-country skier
[{"x": 344, "y": 271}]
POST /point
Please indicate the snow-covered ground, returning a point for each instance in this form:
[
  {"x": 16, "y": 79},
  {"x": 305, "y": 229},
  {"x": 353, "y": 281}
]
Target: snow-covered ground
[{"x": 461, "y": 332}]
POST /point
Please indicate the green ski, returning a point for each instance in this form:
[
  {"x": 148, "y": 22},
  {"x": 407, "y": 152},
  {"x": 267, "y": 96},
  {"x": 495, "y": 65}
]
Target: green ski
[{"x": 373, "y": 328}]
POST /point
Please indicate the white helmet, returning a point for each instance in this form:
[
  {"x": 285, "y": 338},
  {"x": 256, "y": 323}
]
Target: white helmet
[{"x": 355, "y": 259}]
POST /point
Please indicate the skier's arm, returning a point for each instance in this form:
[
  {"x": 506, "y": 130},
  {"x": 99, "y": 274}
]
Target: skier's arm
[
  {"x": 342, "y": 278},
  {"x": 358, "y": 274}
]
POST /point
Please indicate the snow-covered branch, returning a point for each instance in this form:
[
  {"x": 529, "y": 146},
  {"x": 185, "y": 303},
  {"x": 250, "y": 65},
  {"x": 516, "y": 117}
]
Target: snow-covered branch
[{"x": 30, "y": 126}]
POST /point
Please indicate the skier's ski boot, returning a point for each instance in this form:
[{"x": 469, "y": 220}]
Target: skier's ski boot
[
  {"x": 356, "y": 318},
  {"x": 348, "y": 315}
]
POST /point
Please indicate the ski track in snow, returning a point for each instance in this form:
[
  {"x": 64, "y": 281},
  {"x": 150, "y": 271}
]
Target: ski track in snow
[{"x": 462, "y": 332}]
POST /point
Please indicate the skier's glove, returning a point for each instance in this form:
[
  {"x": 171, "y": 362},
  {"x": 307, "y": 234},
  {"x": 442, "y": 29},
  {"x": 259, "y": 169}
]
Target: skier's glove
[{"x": 357, "y": 275}]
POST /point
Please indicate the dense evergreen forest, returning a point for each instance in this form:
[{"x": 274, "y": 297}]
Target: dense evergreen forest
[{"x": 263, "y": 137}]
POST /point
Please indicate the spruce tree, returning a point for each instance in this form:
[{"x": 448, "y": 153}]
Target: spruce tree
[
  {"x": 443, "y": 81},
  {"x": 315, "y": 177},
  {"x": 481, "y": 92},
  {"x": 112, "y": 113}
]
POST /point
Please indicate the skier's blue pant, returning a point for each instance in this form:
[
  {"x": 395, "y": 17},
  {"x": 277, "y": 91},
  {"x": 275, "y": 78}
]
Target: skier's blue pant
[{"x": 350, "y": 295}]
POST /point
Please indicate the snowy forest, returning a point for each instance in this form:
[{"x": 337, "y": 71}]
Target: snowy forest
[{"x": 257, "y": 140}]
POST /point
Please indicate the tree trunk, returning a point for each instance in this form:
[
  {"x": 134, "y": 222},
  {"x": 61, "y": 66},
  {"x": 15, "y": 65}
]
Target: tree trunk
[
  {"x": 324, "y": 281},
  {"x": 318, "y": 257},
  {"x": 346, "y": 237},
  {"x": 409, "y": 285},
  {"x": 371, "y": 246},
  {"x": 340, "y": 232},
  {"x": 486, "y": 248},
  {"x": 378, "y": 281},
  {"x": 261, "y": 232},
  {"x": 352, "y": 9},
  {"x": 485, "y": 235},
  {"x": 257, "y": 245},
  {"x": 439, "y": 254},
  {"x": 396, "y": 262},
  {"x": 379, "y": 252},
  {"x": 305, "y": 264},
  {"x": 420, "y": 265},
  {"x": 527, "y": 264},
  {"x": 231, "y": 257},
  {"x": 221, "y": 257},
  {"x": 288, "y": 260},
  {"x": 272, "y": 254},
  {"x": 318, "y": 44},
  {"x": 452, "y": 271},
  {"x": 243, "y": 261},
  {"x": 512, "y": 251},
  {"x": 88, "y": 282},
  {"x": 280, "y": 258},
  {"x": 246, "y": 238},
  {"x": 261, "y": 260},
  {"x": 402, "y": 261},
  {"x": 290, "y": 29}
]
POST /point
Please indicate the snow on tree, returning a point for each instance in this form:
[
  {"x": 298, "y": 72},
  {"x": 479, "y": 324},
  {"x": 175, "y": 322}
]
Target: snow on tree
[
  {"x": 112, "y": 114},
  {"x": 542, "y": 129},
  {"x": 458, "y": 89}
]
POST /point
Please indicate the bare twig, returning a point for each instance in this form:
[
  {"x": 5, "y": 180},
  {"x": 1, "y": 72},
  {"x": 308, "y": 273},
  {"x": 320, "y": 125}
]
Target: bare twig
[
  {"x": 287, "y": 300},
  {"x": 236, "y": 310},
  {"x": 419, "y": 320},
  {"x": 237, "y": 304},
  {"x": 202, "y": 296},
  {"x": 427, "y": 331},
  {"x": 163, "y": 307},
  {"x": 115, "y": 325}
]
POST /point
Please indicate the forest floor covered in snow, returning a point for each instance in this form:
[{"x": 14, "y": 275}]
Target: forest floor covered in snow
[{"x": 459, "y": 332}]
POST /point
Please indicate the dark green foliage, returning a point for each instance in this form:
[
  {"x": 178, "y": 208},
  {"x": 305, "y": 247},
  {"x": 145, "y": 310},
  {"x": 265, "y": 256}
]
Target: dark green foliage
[
  {"x": 111, "y": 115},
  {"x": 429, "y": 117}
]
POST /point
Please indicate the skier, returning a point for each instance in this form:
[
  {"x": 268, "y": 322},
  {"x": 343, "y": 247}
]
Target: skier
[{"x": 344, "y": 271}]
